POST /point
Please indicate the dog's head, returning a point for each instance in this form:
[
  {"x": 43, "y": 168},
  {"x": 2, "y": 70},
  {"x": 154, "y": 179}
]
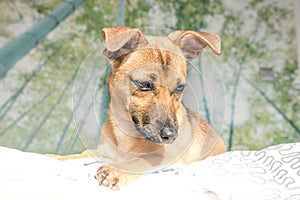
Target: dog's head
[{"x": 149, "y": 75}]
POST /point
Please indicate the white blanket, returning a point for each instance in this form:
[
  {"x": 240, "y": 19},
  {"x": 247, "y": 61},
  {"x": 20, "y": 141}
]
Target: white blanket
[{"x": 272, "y": 173}]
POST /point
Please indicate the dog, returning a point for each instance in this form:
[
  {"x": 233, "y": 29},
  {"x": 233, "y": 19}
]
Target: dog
[{"x": 148, "y": 127}]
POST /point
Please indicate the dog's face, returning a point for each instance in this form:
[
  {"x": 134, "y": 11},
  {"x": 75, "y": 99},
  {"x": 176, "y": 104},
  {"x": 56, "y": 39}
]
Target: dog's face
[
  {"x": 156, "y": 94},
  {"x": 149, "y": 77}
]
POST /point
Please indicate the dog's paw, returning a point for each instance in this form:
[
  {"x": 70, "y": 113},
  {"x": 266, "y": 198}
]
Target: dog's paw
[
  {"x": 108, "y": 177},
  {"x": 114, "y": 179}
]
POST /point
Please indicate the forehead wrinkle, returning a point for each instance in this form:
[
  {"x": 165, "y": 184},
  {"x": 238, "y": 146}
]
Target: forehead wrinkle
[
  {"x": 156, "y": 56},
  {"x": 173, "y": 62},
  {"x": 166, "y": 61}
]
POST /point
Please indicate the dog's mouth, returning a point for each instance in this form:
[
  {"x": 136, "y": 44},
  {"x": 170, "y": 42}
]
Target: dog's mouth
[
  {"x": 159, "y": 139},
  {"x": 157, "y": 132}
]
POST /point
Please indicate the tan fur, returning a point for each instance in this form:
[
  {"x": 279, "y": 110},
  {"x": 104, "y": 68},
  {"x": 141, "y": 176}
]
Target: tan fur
[{"x": 135, "y": 56}]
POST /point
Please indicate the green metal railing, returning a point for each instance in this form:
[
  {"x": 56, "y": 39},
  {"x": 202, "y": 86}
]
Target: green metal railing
[{"x": 21, "y": 45}]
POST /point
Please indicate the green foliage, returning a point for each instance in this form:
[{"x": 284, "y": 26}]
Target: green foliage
[
  {"x": 6, "y": 17},
  {"x": 191, "y": 15},
  {"x": 43, "y": 7},
  {"x": 97, "y": 14},
  {"x": 137, "y": 13}
]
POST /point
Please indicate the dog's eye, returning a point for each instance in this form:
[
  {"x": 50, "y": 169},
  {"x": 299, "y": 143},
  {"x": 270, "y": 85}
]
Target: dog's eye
[
  {"x": 144, "y": 86},
  {"x": 179, "y": 88}
]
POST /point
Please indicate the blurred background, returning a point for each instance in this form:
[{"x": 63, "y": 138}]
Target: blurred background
[{"x": 250, "y": 94}]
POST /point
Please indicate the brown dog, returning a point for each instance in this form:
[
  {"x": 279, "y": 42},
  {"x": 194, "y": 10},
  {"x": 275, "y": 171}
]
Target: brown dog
[{"x": 147, "y": 126}]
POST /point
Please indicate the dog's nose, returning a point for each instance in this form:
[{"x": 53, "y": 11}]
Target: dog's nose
[{"x": 168, "y": 134}]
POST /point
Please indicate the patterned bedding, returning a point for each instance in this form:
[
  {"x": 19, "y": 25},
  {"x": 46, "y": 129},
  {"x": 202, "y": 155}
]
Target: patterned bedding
[{"x": 272, "y": 173}]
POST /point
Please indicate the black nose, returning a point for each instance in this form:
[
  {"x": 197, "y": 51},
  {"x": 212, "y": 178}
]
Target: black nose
[{"x": 168, "y": 134}]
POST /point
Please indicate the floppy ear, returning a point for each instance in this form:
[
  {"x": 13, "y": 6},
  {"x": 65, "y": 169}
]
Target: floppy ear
[
  {"x": 121, "y": 40},
  {"x": 192, "y": 43}
]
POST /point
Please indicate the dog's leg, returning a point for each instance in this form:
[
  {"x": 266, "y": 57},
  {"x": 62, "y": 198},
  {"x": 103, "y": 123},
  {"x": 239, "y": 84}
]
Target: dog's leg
[{"x": 85, "y": 154}]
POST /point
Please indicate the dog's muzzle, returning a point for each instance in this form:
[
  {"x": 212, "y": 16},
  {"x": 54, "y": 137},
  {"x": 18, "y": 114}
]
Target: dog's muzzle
[
  {"x": 167, "y": 135},
  {"x": 159, "y": 132}
]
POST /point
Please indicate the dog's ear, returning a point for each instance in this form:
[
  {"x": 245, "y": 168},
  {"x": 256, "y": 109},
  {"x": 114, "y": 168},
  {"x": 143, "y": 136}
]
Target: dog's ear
[
  {"x": 192, "y": 43},
  {"x": 121, "y": 40}
]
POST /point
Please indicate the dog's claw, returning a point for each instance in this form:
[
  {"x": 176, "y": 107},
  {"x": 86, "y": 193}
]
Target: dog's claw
[
  {"x": 107, "y": 177},
  {"x": 115, "y": 185}
]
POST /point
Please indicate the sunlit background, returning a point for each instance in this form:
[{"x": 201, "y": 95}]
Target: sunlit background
[{"x": 250, "y": 94}]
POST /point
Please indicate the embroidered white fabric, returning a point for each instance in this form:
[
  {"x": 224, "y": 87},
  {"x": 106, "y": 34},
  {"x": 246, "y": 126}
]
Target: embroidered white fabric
[{"x": 269, "y": 174}]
